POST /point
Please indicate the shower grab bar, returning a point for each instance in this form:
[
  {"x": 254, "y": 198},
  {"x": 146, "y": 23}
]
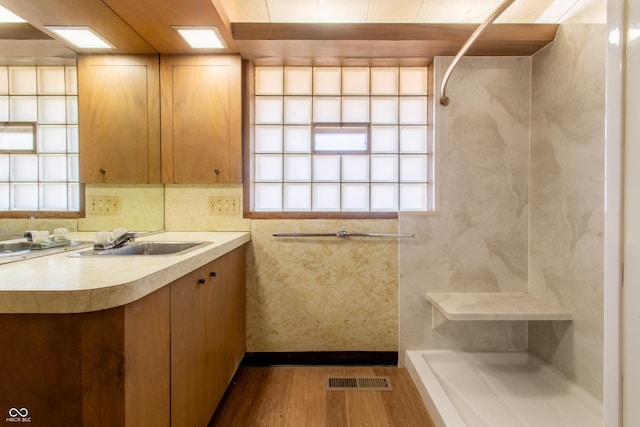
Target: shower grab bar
[
  {"x": 444, "y": 99},
  {"x": 343, "y": 234}
]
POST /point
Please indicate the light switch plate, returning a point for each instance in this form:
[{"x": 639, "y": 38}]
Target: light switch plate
[
  {"x": 104, "y": 205},
  {"x": 224, "y": 205}
]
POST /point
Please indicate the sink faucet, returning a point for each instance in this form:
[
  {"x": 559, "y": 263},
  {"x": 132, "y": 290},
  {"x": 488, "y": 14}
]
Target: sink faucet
[{"x": 117, "y": 242}]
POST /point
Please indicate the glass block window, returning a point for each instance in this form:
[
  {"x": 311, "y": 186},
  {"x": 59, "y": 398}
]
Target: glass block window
[
  {"x": 45, "y": 178},
  {"x": 300, "y": 110}
]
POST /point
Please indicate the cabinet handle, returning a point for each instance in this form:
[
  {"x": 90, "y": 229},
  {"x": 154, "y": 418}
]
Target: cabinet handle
[
  {"x": 201, "y": 281},
  {"x": 102, "y": 171},
  {"x": 212, "y": 274},
  {"x": 216, "y": 171}
]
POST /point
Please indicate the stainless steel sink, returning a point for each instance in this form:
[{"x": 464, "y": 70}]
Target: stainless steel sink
[
  {"x": 144, "y": 249},
  {"x": 20, "y": 251},
  {"x": 11, "y": 236}
]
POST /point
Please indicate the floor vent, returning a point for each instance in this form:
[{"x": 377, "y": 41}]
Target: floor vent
[{"x": 353, "y": 383}]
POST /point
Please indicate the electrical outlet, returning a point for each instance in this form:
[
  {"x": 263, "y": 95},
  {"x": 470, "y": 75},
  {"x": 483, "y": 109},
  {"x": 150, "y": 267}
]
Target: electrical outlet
[
  {"x": 224, "y": 205},
  {"x": 104, "y": 205}
]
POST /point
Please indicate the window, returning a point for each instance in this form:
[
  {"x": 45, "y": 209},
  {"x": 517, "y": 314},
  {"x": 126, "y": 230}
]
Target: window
[
  {"x": 18, "y": 137},
  {"x": 341, "y": 139},
  {"x": 39, "y": 164}
]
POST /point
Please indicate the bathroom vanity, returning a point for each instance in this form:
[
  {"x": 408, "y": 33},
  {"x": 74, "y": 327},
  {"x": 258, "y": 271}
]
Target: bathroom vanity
[{"x": 122, "y": 341}]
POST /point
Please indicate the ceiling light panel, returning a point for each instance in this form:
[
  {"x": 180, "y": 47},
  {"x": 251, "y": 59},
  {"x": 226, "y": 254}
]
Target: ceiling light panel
[
  {"x": 201, "y": 37},
  {"x": 81, "y": 37}
]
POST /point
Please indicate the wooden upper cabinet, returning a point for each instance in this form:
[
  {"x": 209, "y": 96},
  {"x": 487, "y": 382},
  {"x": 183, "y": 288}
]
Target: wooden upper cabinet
[
  {"x": 119, "y": 118},
  {"x": 201, "y": 119}
]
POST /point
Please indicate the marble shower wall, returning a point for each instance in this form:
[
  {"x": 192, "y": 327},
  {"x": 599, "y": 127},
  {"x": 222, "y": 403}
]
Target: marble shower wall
[
  {"x": 517, "y": 212},
  {"x": 477, "y": 242},
  {"x": 566, "y": 260}
]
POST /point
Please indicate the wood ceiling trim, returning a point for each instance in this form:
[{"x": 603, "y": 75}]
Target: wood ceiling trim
[
  {"x": 289, "y": 43},
  {"x": 35, "y": 52},
  {"x": 93, "y": 13},
  {"x": 445, "y": 32},
  {"x": 21, "y": 31},
  {"x": 153, "y": 19}
]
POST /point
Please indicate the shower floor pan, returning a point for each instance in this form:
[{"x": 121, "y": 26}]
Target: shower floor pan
[{"x": 498, "y": 390}]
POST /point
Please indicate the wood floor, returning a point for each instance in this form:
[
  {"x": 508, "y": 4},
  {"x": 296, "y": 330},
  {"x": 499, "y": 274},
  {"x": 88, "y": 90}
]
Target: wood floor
[{"x": 296, "y": 396}]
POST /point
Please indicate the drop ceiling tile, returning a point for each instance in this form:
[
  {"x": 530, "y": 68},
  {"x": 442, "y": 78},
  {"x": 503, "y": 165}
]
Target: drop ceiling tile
[
  {"x": 293, "y": 11},
  {"x": 244, "y": 10},
  {"x": 342, "y": 11},
  {"x": 437, "y": 11},
  {"x": 479, "y": 10},
  {"x": 524, "y": 11},
  {"x": 456, "y": 11},
  {"x": 393, "y": 10},
  {"x": 398, "y": 11}
]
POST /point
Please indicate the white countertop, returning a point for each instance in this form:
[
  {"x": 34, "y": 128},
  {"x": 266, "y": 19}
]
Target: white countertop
[{"x": 61, "y": 284}]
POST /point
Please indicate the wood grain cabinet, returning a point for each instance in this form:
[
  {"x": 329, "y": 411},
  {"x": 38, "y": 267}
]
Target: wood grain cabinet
[
  {"x": 164, "y": 360},
  {"x": 207, "y": 337},
  {"x": 201, "y": 119},
  {"x": 119, "y": 118},
  {"x": 105, "y": 368}
]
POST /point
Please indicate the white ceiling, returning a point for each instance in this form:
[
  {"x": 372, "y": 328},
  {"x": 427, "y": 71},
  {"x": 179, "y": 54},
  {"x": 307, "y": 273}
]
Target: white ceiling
[{"x": 411, "y": 11}]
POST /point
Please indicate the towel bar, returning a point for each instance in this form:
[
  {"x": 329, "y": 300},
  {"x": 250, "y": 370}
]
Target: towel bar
[{"x": 342, "y": 234}]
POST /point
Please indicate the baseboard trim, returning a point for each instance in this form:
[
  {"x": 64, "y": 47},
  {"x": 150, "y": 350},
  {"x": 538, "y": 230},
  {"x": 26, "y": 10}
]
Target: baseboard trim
[{"x": 322, "y": 358}]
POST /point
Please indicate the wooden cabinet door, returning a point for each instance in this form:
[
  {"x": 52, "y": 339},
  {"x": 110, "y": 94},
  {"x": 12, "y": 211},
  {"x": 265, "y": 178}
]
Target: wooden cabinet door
[
  {"x": 217, "y": 303},
  {"x": 235, "y": 311},
  {"x": 201, "y": 119},
  {"x": 207, "y": 337},
  {"x": 147, "y": 345},
  {"x": 189, "y": 406},
  {"x": 119, "y": 118},
  {"x": 226, "y": 321},
  {"x": 102, "y": 368}
]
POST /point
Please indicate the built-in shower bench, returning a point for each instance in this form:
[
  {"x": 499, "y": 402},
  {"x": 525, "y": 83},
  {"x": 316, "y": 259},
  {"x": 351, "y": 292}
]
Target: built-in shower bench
[{"x": 512, "y": 306}]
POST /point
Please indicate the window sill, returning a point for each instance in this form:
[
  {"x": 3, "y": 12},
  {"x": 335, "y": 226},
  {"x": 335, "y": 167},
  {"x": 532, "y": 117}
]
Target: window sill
[
  {"x": 41, "y": 214},
  {"x": 321, "y": 215}
]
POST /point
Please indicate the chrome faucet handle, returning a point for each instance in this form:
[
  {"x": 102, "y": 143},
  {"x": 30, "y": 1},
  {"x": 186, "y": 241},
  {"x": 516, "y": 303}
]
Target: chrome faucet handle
[
  {"x": 117, "y": 242},
  {"x": 124, "y": 238}
]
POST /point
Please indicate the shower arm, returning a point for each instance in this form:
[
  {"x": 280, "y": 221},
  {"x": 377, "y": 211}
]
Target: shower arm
[{"x": 444, "y": 99}]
